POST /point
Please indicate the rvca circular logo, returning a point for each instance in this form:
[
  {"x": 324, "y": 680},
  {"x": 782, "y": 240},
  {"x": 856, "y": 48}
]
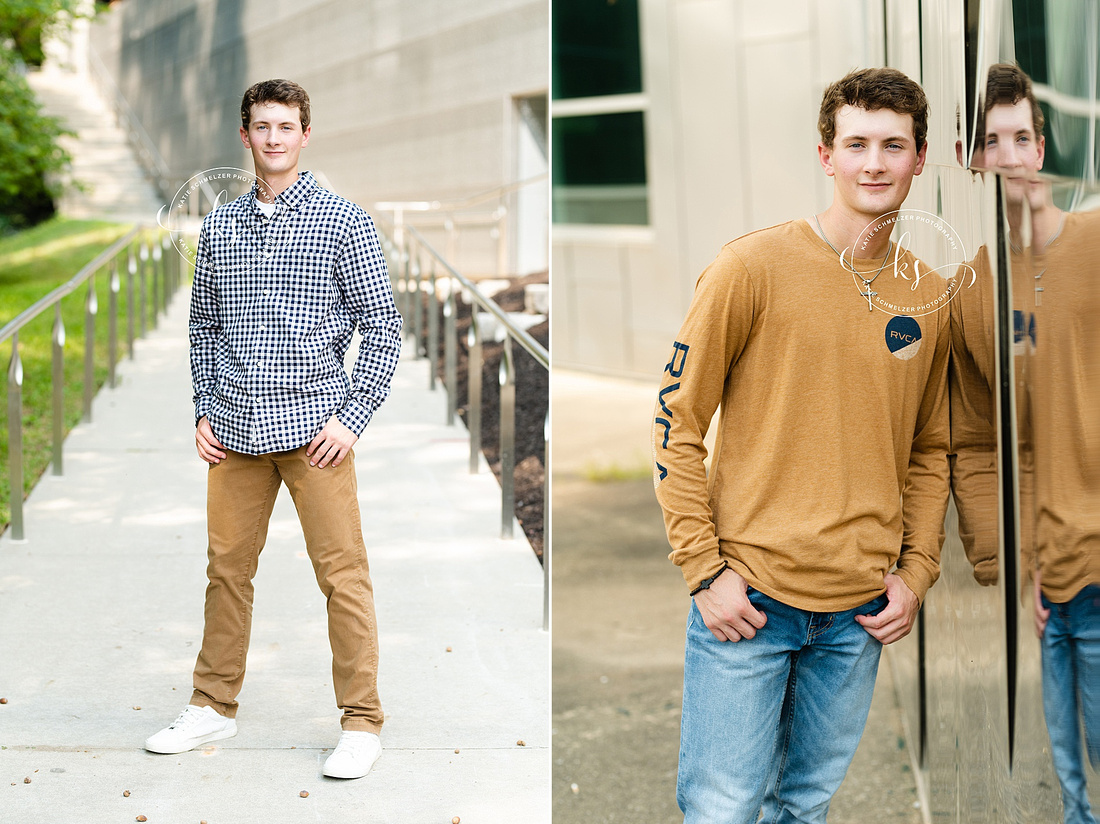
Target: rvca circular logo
[{"x": 903, "y": 337}]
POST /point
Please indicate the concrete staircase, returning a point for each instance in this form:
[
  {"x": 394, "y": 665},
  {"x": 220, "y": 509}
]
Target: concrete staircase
[{"x": 105, "y": 181}]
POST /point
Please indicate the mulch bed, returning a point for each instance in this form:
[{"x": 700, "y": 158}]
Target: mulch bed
[{"x": 532, "y": 402}]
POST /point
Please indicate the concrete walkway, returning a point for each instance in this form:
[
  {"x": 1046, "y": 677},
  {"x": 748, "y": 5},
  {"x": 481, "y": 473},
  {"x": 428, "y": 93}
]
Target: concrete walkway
[{"x": 101, "y": 619}]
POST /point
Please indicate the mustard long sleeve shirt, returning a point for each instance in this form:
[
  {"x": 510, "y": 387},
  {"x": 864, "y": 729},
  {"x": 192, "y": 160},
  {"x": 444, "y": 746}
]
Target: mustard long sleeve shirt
[{"x": 830, "y": 464}]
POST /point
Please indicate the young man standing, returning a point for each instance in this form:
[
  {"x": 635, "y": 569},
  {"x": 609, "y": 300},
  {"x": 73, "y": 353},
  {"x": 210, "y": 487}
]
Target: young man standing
[
  {"x": 833, "y": 414},
  {"x": 283, "y": 277}
]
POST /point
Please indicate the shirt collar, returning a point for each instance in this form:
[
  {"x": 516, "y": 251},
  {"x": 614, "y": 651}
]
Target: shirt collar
[{"x": 294, "y": 195}]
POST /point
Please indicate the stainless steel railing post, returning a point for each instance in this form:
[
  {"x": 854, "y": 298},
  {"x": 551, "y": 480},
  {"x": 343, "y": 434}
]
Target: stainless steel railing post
[
  {"x": 406, "y": 264},
  {"x": 157, "y": 286},
  {"x": 170, "y": 262},
  {"x": 473, "y": 391},
  {"x": 58, "y": 390},
  {"x": 91, "y": 308},
  {"x": 507, "y": 379},
  {"x": 433, "y": 326},
  {"x": 160, "y": 284},
  {"x": 142, "y": 277},
  {"x": 418, "y": 307},
  {"x": 450, "y": 351},
  {"x": 15, "y": 438},
  {"x": 131, "y": 270},
  {"x": 112, "y": 324}
]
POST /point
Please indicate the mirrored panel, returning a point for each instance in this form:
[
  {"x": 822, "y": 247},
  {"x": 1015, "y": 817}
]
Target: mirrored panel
[{"x": 1000, "y": 687}]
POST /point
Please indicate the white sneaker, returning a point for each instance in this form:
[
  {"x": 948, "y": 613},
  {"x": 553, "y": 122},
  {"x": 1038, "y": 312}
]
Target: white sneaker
[
  {"x": 354, "y": 755},
  {"x": 195, "y": 726}
]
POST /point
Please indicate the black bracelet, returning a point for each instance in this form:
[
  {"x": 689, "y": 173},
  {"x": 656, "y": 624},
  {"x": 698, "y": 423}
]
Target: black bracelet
[{"x": 706, "y": 584}]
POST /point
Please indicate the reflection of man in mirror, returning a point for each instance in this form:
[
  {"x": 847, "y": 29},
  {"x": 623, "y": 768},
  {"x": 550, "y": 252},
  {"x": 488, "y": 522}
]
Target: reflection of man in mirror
[
  {"x": 831, "y": 469},
  {"x": 1058, "y": 321},
  {"x": 972, "y": 380}
]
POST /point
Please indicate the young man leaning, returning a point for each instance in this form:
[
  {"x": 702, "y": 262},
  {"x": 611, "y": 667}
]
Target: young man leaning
[
  {"x": 817, "y": 534},
  {"x": 283, "y": 276}
]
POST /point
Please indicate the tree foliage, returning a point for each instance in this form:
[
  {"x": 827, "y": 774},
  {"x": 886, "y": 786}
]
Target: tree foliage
[{"x": 30, "y": 157}]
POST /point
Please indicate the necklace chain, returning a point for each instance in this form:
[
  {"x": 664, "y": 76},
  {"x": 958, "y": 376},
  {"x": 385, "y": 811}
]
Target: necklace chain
[{"x": 866, "y": 283}]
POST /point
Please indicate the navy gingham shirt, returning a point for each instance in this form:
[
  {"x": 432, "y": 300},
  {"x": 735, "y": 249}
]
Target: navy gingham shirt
[{"x": 273, "y": 307}]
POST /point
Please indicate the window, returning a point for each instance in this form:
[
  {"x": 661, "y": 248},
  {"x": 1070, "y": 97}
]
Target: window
[{"x": 599, "y": 173}]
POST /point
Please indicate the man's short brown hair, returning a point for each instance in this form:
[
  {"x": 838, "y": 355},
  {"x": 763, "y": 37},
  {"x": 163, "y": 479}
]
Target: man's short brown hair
[
  {"x": 1006, "y": 85},
  {"x": 275, "y": 91},
  {"x": 874, "y": 89}
]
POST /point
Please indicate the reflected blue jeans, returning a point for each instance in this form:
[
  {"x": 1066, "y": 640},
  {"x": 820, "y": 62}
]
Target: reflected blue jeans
[
  {"x": 1071, "y": 695},
  {"x": 773, "y": 722}
]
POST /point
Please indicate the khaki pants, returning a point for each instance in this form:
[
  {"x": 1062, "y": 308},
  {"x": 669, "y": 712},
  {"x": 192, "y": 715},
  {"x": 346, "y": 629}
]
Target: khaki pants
[{"x": 241, "y": 493}]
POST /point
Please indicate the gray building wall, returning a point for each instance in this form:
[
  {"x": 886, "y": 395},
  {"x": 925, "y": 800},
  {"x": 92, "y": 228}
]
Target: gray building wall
[{"x": 410, "y": 100}]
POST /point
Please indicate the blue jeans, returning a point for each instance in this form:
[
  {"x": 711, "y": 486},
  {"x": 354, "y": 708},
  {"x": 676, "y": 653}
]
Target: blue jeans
[
  {"x": 1071, "y": 694},
  {"x": 773, "y": 722}
]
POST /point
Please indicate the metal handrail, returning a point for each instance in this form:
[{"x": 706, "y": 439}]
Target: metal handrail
[
  {"x": 154, "y": 272},
  {"x": 413, "y": 281},
  {"x": 29, "y": 314},
  {"x": 533, "y": 347},
  {"x": 455, "y": 205},
  {"x": 145, "y": 149},
  {"x": 444, "y": 214}
]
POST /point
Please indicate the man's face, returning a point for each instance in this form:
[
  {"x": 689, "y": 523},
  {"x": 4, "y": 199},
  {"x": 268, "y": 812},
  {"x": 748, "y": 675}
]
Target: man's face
[
  {"x": 275, "y": 137},
  {"x": 872, "y": 160},
  {"x": 1012, "y": 147}
]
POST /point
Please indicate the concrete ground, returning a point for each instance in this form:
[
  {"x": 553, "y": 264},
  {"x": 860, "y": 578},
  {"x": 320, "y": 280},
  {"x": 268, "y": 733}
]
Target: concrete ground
[
  {"x": 619, "y": 611},
  {"x": 101, "y": 619}
]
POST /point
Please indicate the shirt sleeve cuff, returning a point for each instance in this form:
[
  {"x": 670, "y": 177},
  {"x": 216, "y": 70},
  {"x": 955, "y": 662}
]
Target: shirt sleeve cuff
[
  {"x": 202, "y": 408},
  {"x": 698, "y": 569},
  {"x": 918, "y": 580},
  {"x": 355, "y": 415}
]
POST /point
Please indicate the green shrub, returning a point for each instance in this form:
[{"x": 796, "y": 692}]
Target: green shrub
[{"x": 30, "y": 158}]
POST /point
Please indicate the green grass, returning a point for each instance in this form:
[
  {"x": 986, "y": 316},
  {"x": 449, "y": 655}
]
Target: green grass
[
  {"x": 613, "y": 471},
  {"x": 32, "y": 264}
]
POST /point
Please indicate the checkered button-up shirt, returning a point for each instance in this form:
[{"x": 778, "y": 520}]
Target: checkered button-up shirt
[{"x": 273, "y": 307}]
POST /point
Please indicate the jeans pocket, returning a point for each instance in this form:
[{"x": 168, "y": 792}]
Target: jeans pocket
[{"x": 874, "y": 606}]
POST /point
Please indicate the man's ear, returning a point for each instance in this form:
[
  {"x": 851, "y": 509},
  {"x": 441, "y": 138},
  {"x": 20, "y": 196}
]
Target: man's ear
[
  {"x": 244, "y": 138},
  {"x": 921, "y": 156},
  {"x": 1042, "y": 150},
  {"x": 825, "y": 157},
  {"x": 305, "y": 135}
]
